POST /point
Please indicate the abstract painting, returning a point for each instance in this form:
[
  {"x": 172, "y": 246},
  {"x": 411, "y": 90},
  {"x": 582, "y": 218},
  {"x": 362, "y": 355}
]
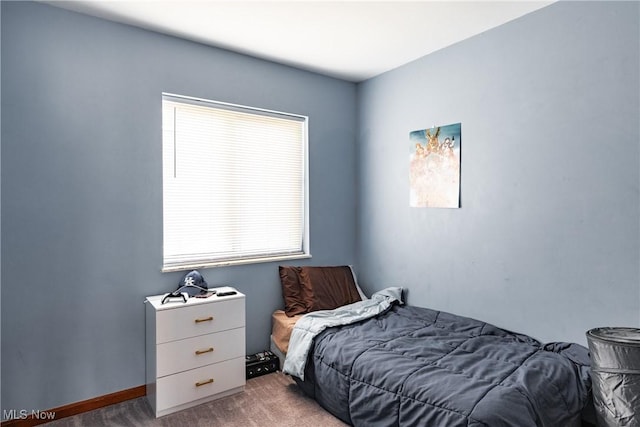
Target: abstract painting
[{"x": 434, "y": 167}]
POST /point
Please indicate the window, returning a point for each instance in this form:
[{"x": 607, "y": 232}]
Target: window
[{"x": 234, "y": 184}]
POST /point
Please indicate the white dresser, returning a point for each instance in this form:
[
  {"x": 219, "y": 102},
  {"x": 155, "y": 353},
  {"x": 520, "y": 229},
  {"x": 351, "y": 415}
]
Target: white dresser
[{"x": 195, "y": 350}]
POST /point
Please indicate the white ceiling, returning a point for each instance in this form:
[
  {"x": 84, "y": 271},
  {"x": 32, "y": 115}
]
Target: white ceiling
[{"x": 352, "y": 40}]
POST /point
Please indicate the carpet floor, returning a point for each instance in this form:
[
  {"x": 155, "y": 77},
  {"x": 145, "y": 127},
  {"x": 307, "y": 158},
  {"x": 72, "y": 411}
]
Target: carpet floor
[{"x": 269, "y": 400}]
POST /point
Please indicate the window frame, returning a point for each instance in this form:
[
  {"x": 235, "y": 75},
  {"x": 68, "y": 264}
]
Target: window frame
[{"x": 305, "y": 244}]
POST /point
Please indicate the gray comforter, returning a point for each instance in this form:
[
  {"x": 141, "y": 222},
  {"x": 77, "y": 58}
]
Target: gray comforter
[
  {"x": 311, "y": 324},
  {"x": 412, "y": 366}
]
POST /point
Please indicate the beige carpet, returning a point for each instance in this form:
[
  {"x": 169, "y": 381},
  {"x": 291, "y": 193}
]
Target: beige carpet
[{"x": 269, "y": 400}]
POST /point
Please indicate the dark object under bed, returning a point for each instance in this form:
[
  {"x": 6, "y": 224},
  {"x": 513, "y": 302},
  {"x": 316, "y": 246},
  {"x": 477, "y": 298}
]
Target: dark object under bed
[{"x": 414, "y": 366}]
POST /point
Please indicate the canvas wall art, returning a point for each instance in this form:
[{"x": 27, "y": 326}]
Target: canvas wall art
[{"x": 434, "y": 167}]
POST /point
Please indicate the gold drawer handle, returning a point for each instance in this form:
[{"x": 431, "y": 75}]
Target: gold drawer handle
[
  {"x": 199, "y": 352},
  {"x": 206, "y": 319},
  {"x": 209, "y": 381}
]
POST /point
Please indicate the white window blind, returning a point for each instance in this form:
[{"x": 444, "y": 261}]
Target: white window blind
[{"x": 234, "y": 184}]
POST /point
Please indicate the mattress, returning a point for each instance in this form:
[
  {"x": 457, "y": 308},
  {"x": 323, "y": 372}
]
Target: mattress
[{"x": 281, "y": 328}]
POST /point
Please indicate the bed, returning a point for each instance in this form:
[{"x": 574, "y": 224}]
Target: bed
[{"x": 376, "y": 361}]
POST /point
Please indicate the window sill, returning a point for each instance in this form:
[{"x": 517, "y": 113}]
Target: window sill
[{"x": 213, "y": 264}]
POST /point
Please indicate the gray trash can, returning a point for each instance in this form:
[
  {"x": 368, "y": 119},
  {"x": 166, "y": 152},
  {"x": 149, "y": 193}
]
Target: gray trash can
[{"x": 615, "y": 374}]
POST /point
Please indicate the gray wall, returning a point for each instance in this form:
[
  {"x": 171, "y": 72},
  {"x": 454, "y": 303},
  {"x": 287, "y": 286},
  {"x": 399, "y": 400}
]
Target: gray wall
[
  {"x": 82, "y": 195},
  {"x": 547, "y": 241}
]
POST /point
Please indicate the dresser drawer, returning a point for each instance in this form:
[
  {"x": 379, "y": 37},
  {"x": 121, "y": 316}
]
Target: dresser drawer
[
  {"x": 199, "y": 383},
  {"x": 181, "y": 355},
  {"x": 201, "y": 319}
]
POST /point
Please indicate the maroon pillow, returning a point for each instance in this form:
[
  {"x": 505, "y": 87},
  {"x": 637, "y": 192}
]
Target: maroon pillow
[
  {"x": 294, "y": 302},
  {"x": 326, "y": 288}
]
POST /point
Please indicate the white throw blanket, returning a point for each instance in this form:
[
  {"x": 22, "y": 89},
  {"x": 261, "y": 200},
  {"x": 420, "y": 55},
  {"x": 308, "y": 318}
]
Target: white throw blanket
[{"x": 311, "y": 324}]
